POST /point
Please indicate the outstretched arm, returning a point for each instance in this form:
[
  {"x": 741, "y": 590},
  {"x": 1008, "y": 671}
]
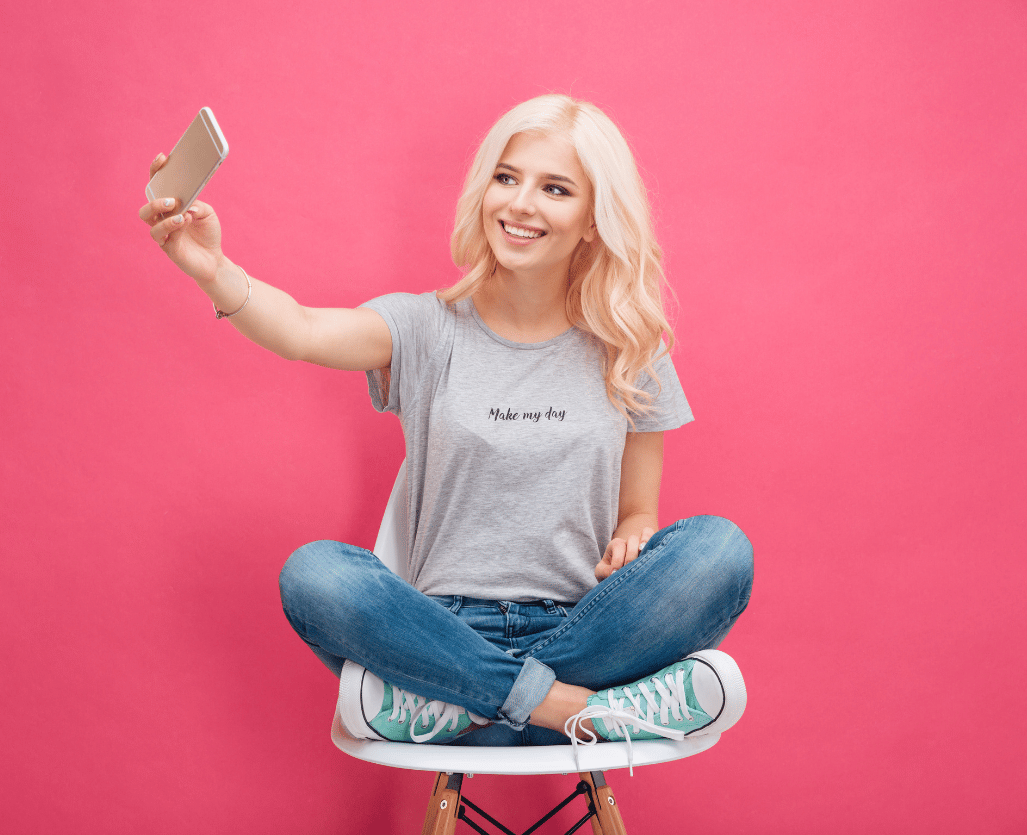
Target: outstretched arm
[{"x": 355, "y": 339}]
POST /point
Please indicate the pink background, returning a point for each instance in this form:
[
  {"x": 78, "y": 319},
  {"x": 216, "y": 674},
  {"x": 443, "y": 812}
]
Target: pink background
[{"x": 840, "y": 191}]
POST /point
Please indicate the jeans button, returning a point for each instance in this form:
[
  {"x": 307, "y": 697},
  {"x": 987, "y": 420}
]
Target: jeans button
[{"x": 504, "y": 608}]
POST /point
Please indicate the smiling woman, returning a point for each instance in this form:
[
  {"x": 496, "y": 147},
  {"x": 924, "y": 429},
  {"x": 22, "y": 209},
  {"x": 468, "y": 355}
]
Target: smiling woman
[{"x": 539, "y": 383}]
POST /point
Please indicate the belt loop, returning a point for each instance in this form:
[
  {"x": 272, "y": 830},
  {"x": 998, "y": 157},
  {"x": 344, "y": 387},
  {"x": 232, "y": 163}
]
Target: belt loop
[
  {"x": 551, "y": 607},
  {"x": 457, "y": 604}
]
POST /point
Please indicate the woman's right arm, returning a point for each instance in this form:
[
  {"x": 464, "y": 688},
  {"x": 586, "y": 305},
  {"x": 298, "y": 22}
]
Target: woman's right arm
[{"x": 354, "y": 339}]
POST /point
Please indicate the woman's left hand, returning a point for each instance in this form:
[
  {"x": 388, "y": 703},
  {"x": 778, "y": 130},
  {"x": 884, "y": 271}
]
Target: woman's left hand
[{"x": 620, "y": 552}]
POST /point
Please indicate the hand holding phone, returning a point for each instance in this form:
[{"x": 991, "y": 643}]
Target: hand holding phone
[
  {"x": 190, "y": 234},
  {"x": 192, "y": 162}
]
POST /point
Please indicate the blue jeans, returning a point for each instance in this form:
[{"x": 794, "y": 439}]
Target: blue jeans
[{"x": 499, "y": 658}]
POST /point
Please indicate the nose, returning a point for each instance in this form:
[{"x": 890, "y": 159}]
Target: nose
[{"x": 523, "y": 202}]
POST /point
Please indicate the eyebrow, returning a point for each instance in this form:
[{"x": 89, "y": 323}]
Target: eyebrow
[{"x": 544, "y": 176}]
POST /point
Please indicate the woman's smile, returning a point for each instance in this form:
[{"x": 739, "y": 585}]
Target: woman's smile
[{"x": 520, "y": 231}]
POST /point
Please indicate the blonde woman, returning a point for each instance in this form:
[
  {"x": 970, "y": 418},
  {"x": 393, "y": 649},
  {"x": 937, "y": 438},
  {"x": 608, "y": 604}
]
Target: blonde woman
[{"x": 545, "y": 601}]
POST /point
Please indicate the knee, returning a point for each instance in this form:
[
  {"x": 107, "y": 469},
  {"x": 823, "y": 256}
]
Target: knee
[
  {"x": 734, "y": 550},
  {"x": 719, "y": 548},
  {"x": 296, "y": 573},
  {"x": 735, "y": 547},
  {"x": 308, "y": 572}
]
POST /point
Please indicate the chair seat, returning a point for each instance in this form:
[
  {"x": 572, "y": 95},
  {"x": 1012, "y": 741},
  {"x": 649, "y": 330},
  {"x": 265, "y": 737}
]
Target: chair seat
[{"x": 538, "y": 759}]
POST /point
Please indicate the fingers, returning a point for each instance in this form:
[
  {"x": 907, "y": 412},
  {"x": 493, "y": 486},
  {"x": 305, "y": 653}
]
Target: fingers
[
  {"x": 612, "y": 559},
  {"x": 161, "y": 230},
  {"x": 644, "y": 538},
  {"x": 620, "y": 552},
  {"x": 153, "y": 211},
  {"x": 157, "y": 211},
  {"x": 199, "y": 210},
  {"x": 617, "y": 551},
  {"x": 635, "y": 543}
]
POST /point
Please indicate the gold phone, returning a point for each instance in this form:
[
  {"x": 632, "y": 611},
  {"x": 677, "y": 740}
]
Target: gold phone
[{"x": 191, "y": 163}]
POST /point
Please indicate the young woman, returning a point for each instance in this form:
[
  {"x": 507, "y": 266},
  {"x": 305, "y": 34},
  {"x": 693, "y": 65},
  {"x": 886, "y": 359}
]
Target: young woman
[{"x": 544, "y": 602}]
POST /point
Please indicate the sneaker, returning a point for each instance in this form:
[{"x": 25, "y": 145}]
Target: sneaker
[
  {"x": 702, "y": 694},
  {"x": 369, "y": 708}
]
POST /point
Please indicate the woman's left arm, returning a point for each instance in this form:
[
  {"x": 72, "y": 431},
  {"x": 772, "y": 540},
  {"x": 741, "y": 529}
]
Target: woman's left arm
[{"x": 640, "y": 473}]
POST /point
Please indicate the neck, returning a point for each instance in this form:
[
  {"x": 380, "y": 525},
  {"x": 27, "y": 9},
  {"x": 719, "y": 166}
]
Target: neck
[{"x": 524, "y": 308}]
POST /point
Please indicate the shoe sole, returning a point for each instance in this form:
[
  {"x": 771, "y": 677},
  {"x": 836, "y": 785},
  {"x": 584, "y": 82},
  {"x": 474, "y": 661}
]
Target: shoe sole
[
  {"x": 735, "y": 697},
  {"x": 350, "y": 704}
]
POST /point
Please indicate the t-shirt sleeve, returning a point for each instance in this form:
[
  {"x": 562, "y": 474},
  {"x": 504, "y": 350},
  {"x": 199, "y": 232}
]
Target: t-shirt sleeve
[
  {"x": 670, "y": 407},
  {"x": 415, "y": 323}
]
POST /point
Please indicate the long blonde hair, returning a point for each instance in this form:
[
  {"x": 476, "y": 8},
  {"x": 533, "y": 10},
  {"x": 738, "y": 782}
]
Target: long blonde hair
[{"x": 615, "y": 282}]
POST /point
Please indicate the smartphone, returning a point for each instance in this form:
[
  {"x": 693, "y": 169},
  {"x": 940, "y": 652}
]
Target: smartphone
[{"x": 191, "y": 163}]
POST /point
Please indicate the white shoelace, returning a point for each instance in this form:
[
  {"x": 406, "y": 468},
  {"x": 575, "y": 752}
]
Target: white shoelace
[
  {"x": 423, "y": 710},
  {"x": 638, "y": 715}
]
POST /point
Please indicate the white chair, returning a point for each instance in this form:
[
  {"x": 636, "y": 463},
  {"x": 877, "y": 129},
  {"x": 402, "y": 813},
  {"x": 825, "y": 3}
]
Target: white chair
[{"x": 446, "y": 804}]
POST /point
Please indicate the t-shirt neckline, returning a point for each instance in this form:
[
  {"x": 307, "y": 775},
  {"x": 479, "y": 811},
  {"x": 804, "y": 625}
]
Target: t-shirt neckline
[{"x": 509, "y": 342}]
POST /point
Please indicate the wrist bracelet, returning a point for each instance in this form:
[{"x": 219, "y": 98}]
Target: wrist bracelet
[{"x": 249, "y": 292}]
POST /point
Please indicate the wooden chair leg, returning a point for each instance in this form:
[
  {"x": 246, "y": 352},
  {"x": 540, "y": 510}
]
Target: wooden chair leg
[
  {"x": 607, "y": 819},
  {"x": 443, "y": 805}
]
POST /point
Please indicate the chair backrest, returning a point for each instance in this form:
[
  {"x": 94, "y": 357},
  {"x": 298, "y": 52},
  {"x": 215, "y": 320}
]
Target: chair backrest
[{"x": 391, "y": 545}]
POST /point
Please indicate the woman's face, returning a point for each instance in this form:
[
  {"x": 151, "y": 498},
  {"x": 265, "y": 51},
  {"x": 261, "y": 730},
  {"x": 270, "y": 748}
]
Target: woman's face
[{"x": 538, "y": 207}]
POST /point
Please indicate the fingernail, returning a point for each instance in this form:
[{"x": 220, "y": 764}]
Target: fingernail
[
  {"x": 169, "y": 201},
  {"x": 176, "y": 219}
]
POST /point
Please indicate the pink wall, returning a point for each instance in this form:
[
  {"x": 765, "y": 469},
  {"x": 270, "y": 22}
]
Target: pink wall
[{"x": 840, "y": 190}]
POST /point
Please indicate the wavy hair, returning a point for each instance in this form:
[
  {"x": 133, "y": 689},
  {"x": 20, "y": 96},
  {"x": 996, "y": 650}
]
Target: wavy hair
[{"x": 615, "y": 282}]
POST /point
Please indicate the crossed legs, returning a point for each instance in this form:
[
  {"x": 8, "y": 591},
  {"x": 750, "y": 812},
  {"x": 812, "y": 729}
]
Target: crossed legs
[{"x": 682, "y": 594}]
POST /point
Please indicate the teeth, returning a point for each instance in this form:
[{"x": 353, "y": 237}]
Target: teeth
[{"x": 522, "y": 233}]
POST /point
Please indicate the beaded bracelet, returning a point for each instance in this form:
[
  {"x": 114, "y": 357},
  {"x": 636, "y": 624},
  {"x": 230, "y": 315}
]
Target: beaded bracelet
[{"x": 249, "y": 284}]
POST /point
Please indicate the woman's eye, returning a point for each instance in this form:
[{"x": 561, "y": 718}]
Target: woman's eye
[
  {"x": 505, "y": 179},
  {"x": 558, "y": 190}
]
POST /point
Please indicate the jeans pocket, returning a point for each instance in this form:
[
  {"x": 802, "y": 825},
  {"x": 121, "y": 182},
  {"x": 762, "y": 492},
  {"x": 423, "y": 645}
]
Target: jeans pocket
[{"x": 453, "y": 602}]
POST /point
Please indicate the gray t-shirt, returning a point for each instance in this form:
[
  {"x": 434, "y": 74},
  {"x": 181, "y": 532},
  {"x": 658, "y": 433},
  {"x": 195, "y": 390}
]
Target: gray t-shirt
[{"x": 513, "y": 450}]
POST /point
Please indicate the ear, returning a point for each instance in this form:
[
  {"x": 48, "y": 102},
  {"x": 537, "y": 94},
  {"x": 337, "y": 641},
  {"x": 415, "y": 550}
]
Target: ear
[{"x": 590, "y": 233}]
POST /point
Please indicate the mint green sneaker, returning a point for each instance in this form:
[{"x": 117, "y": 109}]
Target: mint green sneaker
[
  {"x": 369, "y": 708},
  {"x": 701, "y": 694}
]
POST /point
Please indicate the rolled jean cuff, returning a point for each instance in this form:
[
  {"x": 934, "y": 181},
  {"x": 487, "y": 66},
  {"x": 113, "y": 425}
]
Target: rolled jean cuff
[{"x": 529, "y": 691}]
